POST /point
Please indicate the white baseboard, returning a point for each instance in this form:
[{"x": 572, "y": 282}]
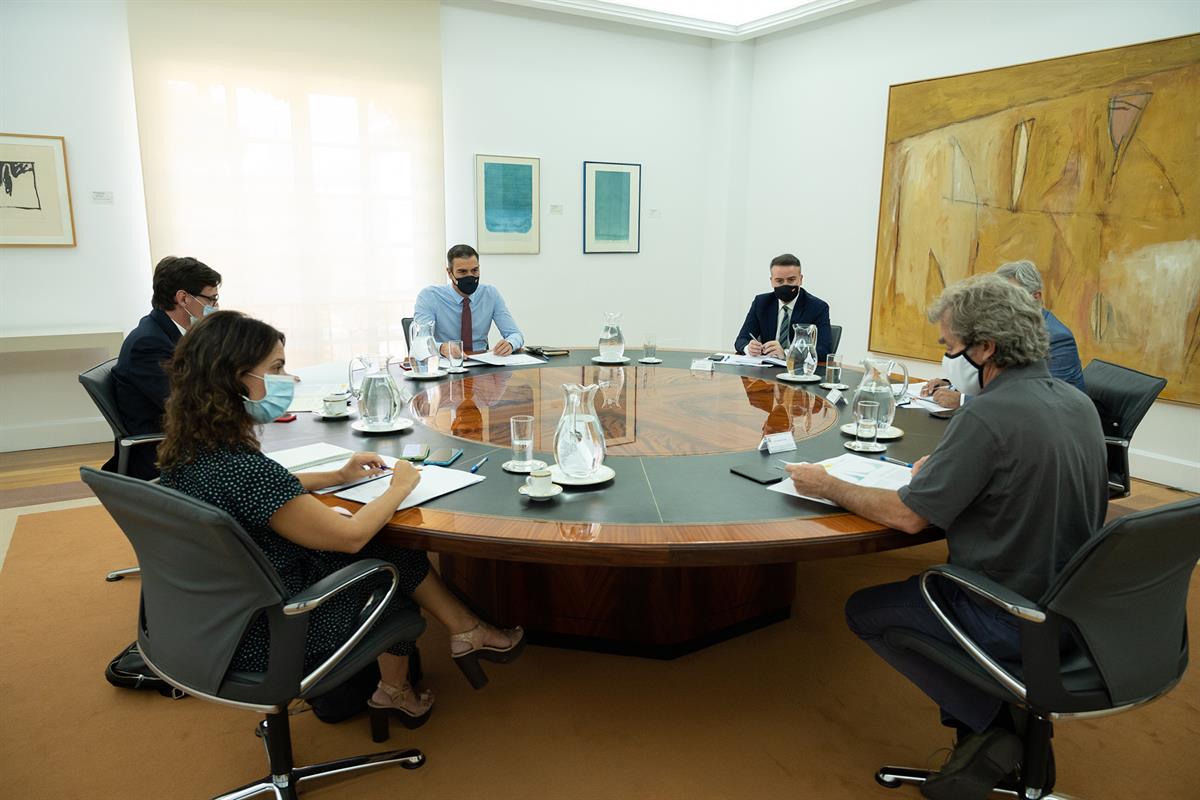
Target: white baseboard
[
  {"x": 1166, "y": 470},
  {"x": 54, "y": 433}
]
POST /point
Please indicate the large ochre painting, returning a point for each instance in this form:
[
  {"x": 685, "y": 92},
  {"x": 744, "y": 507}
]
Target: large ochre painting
[{"x": 1089, "y": 166}]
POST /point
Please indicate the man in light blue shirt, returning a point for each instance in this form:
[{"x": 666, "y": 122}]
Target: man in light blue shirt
[{"x": 465, "y": 310}]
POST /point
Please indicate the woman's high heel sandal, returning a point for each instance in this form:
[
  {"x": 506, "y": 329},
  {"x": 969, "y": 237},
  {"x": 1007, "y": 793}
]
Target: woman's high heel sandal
[
  {"x": 411, "y": 708},
  {"x": 468, "y": 649}
]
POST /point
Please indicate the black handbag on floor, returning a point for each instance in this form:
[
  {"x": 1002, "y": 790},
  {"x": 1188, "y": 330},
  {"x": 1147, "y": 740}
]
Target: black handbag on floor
[{"x": 129, "y": 671}]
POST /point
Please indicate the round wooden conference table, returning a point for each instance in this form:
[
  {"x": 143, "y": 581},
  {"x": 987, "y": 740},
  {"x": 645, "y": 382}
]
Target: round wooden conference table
[{"x": 674, "y": 553}]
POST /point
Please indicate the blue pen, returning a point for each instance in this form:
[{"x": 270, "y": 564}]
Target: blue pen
[
  {"x": 475, "y": 467},
  {"x": 895, "y": 461}
]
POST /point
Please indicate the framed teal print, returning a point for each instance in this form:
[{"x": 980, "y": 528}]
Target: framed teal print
[
  {"x": 612, "y": 198},
  {"x": 507, "y": 204}
]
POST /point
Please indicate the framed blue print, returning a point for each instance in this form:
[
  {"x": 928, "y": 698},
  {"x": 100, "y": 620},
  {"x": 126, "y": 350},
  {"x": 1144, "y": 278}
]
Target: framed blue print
[
  {"x": 507, "y": 204},
  {"x": 612, "y": 198}
]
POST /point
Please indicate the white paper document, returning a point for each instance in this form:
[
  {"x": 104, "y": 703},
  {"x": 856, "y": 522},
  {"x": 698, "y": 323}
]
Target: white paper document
[
  {"x": 311, "y": 456},
  {"x": 514, "y": 360},
  {"x": 914, "y": 397},
  {"x": 435, "y": 482},
  {"x": 751, "y": 361},
  {"x": 853, "y": 469}
]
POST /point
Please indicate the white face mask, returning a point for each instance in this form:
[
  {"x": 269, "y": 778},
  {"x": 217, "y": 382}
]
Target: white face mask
[{"x": 964, "y": 374}]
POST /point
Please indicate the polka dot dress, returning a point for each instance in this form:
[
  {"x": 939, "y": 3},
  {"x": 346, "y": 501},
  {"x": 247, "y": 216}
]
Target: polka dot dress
[{"x": 251, "y": 487}]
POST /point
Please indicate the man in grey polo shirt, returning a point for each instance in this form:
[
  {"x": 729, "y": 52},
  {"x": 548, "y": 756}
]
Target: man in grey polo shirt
[{"x": 1018, "y": 483}]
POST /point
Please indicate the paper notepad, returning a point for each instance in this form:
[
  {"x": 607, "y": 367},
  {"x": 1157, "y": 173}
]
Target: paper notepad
[
  {"x": 310, "y": 456},
  {"x": 435, "y": 482},
  {"x": 514, "y": 360},
  {"x": 853, "y": 469}
]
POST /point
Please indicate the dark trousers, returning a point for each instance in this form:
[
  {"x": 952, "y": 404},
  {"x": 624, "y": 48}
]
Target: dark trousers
[{"x": 869, "y": 612}]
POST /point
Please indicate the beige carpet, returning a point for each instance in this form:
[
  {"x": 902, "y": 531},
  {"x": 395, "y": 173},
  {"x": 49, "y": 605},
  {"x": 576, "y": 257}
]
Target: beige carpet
[{"x": 798, "y": 710}]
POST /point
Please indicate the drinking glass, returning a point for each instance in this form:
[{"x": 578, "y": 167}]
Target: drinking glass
[
  {"x": 521, "y": 430},
  {"x": 866, "y": 428},
  {"x": 650, "y": 346},
  {"x": 833, "y": 372},
  {"x": 454, "y": 354}
]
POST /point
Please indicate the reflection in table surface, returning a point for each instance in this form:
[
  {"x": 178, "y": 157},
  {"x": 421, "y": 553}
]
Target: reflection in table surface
[{"x": 644, "y": 411}]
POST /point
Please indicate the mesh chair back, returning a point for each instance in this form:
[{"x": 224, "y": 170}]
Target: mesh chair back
[
  {"x": 203, "y": 579},
  {"x": 837, "y": 337},
  {"x": 1126, "y": 593},
  {"x": 98, "y": 382},
  {"x": 1122, "y": 395},
  {"x": 406, "y": 323}
]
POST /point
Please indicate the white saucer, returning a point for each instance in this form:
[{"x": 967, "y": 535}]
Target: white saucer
[
  {"x": 509, "y": 466},
  {"x": 839, "y": 386},
  {"x": 862, "y": 447},
  {"x": 320, "y": 413},
  {"x": 793, "y": 378},
  {"x": 524, "y": 489},
  {"x": 461, "y": 370},
  {"x": 425, "y": 376},
  {"x": 890, "y": 432},
  {"x": 621, "y": 360},
  {"x": 599, "y": 476},
  {"x": 397, "y": 425},
  {"x": 649, "y": 360}
]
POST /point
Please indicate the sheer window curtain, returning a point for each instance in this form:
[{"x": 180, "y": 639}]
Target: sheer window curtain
[{"x": 296, "y": 148}]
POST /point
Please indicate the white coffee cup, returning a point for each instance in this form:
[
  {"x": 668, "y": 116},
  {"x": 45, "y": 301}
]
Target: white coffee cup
[
  {"x": 539, "y": 482},
  {"x": 335, "y": 405}
]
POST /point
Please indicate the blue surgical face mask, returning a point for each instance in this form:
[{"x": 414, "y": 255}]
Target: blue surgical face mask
[
  {"x": 280, "y": 390},
  {"x": 192, "y": 318},
  {"x": 964, "y": 374}
]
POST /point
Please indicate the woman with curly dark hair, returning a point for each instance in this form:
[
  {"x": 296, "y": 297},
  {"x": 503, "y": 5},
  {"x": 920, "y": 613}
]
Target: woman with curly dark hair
[{"x": 227, "y": 375}]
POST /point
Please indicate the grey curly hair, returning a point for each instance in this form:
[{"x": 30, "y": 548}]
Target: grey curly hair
[
  {"x": 987, "y": 308},
  {"x": 1024, "y": 273}
]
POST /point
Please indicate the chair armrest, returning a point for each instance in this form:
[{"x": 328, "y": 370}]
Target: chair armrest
[
  {"x": 997, "y": 594},
  {"x": 142, "y": 438},
  {"x": 316, "y": 595},
  {"x": 989, "y": 665},
  {"x": 332, "y": 584}
]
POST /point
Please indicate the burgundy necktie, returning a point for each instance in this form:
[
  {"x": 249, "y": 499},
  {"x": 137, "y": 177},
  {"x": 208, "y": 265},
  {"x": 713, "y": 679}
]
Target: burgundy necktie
[{"x": 466, "y": 336}]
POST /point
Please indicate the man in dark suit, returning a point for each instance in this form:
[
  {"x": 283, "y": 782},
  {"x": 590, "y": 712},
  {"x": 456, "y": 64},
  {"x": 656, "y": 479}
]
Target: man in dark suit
[
  {"x": 184, "y": 290},
  {"x": 767, "y": 330}
]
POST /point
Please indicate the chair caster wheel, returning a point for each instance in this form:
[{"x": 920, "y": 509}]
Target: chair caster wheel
[
  {"x": 415, "y": 763},
  {"x": 887, "y": 781},
  {"x": 113, "y": 578}
]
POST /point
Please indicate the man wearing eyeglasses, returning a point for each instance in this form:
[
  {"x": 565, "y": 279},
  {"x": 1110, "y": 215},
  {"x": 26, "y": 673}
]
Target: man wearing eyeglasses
[{"x": 184, "y": 291}]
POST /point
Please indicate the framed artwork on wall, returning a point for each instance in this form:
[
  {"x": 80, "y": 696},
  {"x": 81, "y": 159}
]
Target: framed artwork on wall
[
  {"x": 612, "y": 198},
  {"x": 35, "y": 193},
  {"x": 507, "y": 204},
  {"x": 1085, "y": 165}
]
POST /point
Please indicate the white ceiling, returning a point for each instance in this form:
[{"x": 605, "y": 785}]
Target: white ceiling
[{"x": 734, "y": 20}]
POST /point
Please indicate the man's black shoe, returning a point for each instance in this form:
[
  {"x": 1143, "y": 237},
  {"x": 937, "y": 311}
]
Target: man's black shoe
[{"x": 975, "y": 767}]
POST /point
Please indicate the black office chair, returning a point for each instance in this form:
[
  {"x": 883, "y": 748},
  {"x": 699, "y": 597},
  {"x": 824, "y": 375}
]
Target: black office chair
[
  {"x": 204, "y": 582},
  {"x": 1123, "y": 597},
  {"x": 98, "y": 383},
  {"x": 407, "y": 323},
  {"x": 1122, "y": 397},
  {"x": 837, "y": 337}
]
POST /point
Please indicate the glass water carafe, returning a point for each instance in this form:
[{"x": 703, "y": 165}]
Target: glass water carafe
[
  {"x": 876, "y": 385},
  {"x": 379, "y": 400},
  {"x": 579, "y": 439},
  {"x": 802, "y": 352},
  {"x": 422, "y": 348},
  {"x": 612, "y": 341}
]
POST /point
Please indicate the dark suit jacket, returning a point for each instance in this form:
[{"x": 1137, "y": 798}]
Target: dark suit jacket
[
  {"x": 762, "y": 320},
  {"x": 141, "y": 384}
]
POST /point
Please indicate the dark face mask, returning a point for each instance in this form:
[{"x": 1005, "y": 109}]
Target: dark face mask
[
  {"x": 786, "y": 293},
  {"x": 467, "y": 284}
]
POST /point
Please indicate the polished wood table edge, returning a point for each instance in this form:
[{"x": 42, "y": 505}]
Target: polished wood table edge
[{"x": 624, "y": 544}]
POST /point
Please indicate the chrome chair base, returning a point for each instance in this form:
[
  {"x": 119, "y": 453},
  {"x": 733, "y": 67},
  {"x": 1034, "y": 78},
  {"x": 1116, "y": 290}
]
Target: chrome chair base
[
  {"x": 895, "y": 777},
  {"x": 118, "y": 574}
]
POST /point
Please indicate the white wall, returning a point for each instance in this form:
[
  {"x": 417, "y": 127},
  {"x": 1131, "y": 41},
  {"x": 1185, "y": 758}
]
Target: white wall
[
  {"x": 816, "y": 149},
  {"x": 84, "y": 92},
  {"x": 567, "y": 89}
]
